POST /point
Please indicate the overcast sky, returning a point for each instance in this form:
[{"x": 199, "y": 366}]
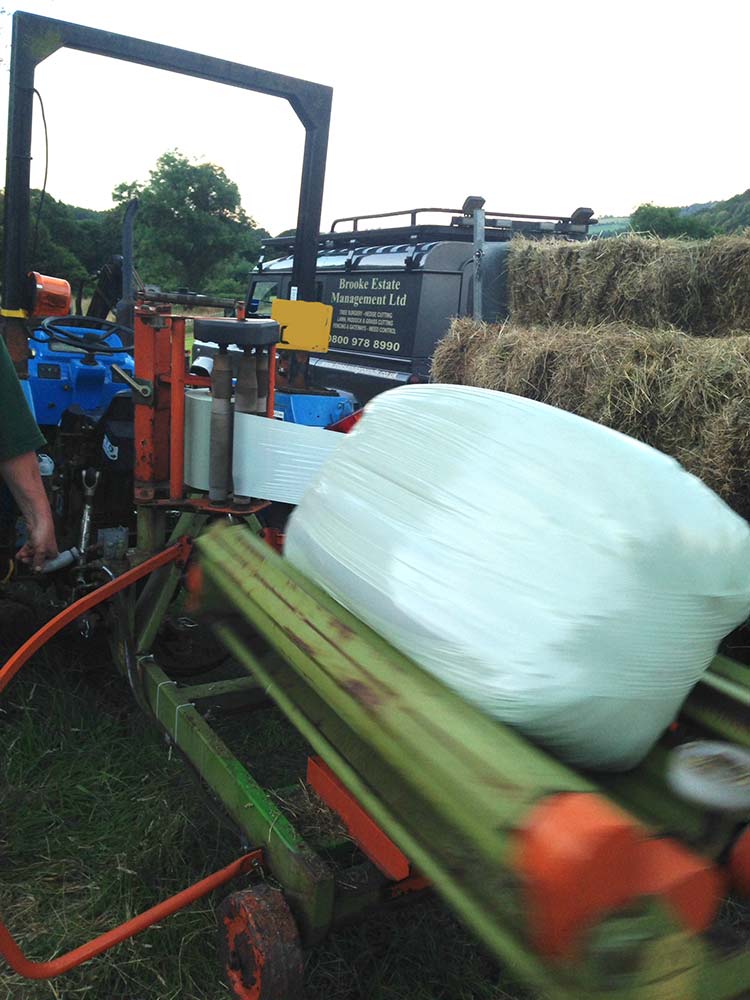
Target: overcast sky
[{"x": 539, "y": 106}]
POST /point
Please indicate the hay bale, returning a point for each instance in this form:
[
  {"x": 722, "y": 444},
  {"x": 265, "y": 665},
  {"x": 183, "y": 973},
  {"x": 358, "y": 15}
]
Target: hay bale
[
  {"x": 699, "y": 286},
  {"x": 686, "y": 396}
]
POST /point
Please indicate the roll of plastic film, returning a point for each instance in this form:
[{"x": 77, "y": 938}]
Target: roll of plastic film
[
  {"x": 272, "y": 460},
  {"x": 197, "y": 437},
  {"x": 276, "y": 460}
]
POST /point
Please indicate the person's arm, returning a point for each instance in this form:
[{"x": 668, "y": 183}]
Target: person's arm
[
  {"x": 19, "y": 467},
  {"x": 21, "y": 473}
]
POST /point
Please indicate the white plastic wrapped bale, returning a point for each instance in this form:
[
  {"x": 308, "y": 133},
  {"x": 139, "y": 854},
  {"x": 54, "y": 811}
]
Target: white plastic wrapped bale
[{"x": 569, "y": 580}]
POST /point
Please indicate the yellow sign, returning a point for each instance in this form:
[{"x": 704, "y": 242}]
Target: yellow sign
[{"x": 305, "y": 326}]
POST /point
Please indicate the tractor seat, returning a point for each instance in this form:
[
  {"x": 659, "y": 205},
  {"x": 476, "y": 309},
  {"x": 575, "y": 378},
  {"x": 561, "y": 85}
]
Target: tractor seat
[{"x": 225, "y": 331}]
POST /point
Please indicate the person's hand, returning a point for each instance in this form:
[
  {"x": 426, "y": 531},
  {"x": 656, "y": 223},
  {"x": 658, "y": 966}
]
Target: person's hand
[
  {"x": 41, "y": 544},
  {"x": 21, "y": 473}
]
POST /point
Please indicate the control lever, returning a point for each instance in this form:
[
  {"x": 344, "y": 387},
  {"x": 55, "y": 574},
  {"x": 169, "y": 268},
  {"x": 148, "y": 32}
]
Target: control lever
[
  {"x": 141, "y": 388},
  {"x": 90, "y": 480}
]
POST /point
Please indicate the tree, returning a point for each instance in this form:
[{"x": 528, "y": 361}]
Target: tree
[
  {"x": 730, "y": 216},
  {"x": 191, "y": 230},
  {"x": 660, "y": 220}
]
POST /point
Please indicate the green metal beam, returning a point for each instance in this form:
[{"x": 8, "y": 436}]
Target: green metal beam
[
  {"x": 728, "y": 979},
  {"x": 160, "y": 589},
  {"x": 307, "y": 880},
  {"x": 723, "y": 666},
  {"x": 645, "y": 792},
  {"x": 235, "y": 693}
]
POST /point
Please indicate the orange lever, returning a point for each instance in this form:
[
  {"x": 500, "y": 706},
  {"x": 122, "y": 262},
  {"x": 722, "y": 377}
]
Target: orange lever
[
  {"x": 8, "y": 947},
  {"x": 48, "y": 970}
]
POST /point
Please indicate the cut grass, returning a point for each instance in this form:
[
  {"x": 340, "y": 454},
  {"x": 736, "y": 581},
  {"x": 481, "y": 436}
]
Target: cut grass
[
  {"x": 98, "y": 822},
  {"x": 98, "y": 825}
]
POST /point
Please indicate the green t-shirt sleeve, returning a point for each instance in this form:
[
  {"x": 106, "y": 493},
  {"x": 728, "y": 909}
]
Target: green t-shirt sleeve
[{"x": 18, "y": 429}]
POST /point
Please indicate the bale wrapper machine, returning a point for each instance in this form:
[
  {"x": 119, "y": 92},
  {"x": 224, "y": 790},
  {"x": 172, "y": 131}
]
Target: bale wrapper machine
[{"x": 586, "y": 886}]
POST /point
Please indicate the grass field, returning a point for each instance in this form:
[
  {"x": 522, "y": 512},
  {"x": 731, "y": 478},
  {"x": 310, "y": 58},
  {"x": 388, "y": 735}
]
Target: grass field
[{"x": 99, "y": 821}]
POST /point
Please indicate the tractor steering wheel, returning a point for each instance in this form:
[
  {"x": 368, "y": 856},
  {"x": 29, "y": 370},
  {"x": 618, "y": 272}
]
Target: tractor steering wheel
[{"x": 94, "y": 340}]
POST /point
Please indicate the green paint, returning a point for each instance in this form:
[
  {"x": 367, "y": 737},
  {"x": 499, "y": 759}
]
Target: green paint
[
  {"x": 307, "y": 881},
  {"x": 161, "y": 587},
  {"x": 449, "y": 785}
]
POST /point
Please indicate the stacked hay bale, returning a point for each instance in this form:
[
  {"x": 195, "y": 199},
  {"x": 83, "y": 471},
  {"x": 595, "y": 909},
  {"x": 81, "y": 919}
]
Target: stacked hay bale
[
  {"x": 701, "y": 287},
  {"x": 687, "y": 396},
  {"x": 645, "y": 335}
]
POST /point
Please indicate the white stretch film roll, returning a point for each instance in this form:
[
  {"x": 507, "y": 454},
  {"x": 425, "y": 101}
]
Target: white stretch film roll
[
  {"x": 272, "y": 460},
  {"x": 276, "y": 460},
  {"x": 197, "y": 437}
]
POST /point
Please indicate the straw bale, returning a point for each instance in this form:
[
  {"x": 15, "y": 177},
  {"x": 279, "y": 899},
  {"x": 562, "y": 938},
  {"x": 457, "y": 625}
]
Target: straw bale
[
  {"x": 699, "y": 286},
  {"x": 686, "y": 396}
]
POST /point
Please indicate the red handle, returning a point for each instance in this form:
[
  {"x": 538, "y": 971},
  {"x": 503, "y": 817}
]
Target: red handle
[{"x": 47, "y": 970}]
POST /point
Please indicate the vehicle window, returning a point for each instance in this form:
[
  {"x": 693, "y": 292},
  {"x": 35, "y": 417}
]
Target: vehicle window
[{"x": 262, "y": 294}]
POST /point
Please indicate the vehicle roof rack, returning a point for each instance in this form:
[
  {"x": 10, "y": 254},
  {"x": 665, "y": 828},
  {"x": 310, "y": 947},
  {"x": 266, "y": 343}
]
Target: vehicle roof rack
[{"x": 499, "y": 226}]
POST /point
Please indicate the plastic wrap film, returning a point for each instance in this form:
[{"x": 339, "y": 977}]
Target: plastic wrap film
[
  {"x": 569, "y": 580},
  {"x": 276, "y": 460},
  {"x": 272, "y": 459},
  {"x": 197, "y": 437}
]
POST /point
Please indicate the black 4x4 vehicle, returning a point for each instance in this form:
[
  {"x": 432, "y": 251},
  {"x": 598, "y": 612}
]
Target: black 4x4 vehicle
[{"x": 394, "y": 290}]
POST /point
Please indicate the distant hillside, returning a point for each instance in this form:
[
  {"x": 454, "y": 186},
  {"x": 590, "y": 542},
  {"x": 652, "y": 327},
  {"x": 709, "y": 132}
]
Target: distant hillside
[
  {"x": 697, "y": 207},
  {"x": 728, "y": 216},
  {"x": 721, "y": 217}
]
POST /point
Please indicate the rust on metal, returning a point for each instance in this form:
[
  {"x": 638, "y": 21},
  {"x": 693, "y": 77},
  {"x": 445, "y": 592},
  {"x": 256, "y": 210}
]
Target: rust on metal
[
  {"x": 363, "y": 693},
  {"x": 300, "y": 643},
  {"x": 342, "y": 628},
  {"x": 260, "y": 946}
]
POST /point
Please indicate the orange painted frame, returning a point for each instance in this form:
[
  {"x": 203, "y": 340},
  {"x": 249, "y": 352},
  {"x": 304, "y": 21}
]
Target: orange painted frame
[{"x": 368, "y": 836}]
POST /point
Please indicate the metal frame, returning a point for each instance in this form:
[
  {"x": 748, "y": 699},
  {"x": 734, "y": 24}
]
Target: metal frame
[
  {"x": 319, "y": 897},
  {"x": 159, "y": 422},
  {"x": 342, "y": 687},
  {"x": 35, "y": 38}
]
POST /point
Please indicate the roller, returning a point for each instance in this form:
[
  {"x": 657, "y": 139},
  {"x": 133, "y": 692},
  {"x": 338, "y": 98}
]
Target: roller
[
  {"x": 246, "y": 394},
  {"x": 220, "y": 462},
  {"x": 262, "y": 359}
]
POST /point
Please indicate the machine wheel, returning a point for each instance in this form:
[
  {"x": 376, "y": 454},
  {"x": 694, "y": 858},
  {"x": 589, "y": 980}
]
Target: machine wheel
[{"x": 259, "y": 946}]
